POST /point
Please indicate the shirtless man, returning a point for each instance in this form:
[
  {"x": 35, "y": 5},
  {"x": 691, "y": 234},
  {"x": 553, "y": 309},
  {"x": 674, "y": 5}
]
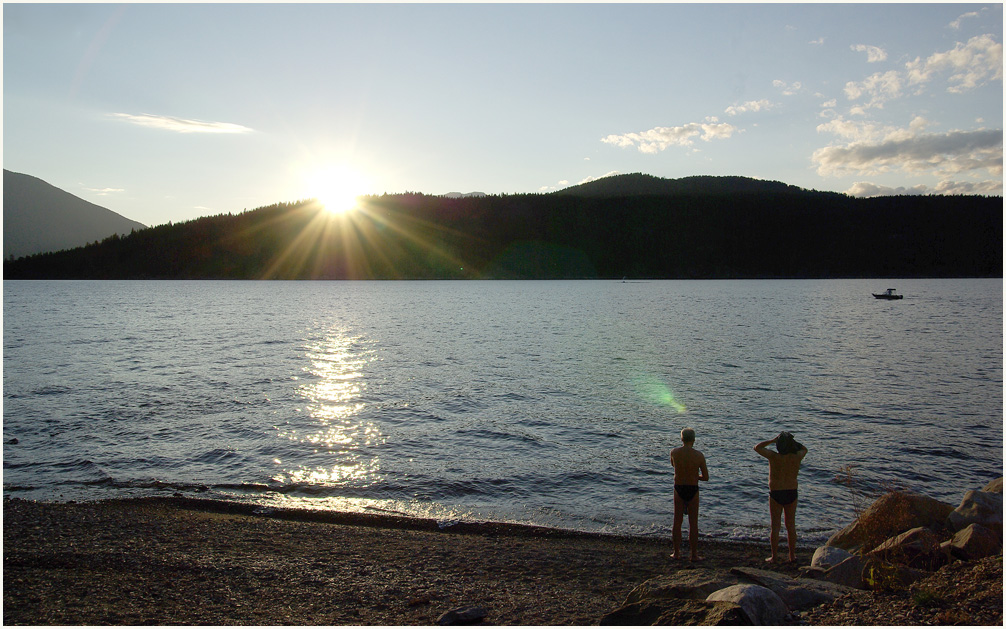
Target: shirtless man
[
  {"x": 783, "y": 467},
  {"x": 689, "y": 468}
]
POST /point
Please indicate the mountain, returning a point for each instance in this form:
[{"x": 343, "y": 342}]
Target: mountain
[
  {"x": 39, "y": 217},
  {"x": 639, "y": 184},
  {"x": 462, "y": 195},
  {"x": 782, "y": 232}
]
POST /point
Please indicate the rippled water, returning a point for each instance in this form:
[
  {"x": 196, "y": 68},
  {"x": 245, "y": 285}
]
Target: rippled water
[{"x": 551, "y": 403}]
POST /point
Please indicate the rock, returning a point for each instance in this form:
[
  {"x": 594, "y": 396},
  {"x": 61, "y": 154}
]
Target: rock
[
  {"x": 975, "y": 542},
  {"x": 994, "y": 487},
  {"x": 797, "y": 594},
  {"x": 916, "y": 548},
  {"x": 14, "y": 442},
  {"x": 888, "y": 516},
  {"x": 692, "y": 584},
  {"x": 762, "y": 605},
  {"x": 715, "y": 614},
  {"x": 826, "y": 557},
  {"x": 979, "y": 507},
  {"x": 881, "y": 575},
  {"x": 676, "y": 612},
  {"x": 462, "y": 616},
  {"x": 848, "y": 573}
]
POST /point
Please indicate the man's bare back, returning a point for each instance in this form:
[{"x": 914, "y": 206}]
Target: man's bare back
[{"x": 689, "y": 465}]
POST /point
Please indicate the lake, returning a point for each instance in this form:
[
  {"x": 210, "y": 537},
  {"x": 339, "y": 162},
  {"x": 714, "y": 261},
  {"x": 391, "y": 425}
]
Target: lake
[{"x": 549, "y": 403}]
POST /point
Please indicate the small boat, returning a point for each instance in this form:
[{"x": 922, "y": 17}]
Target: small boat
[{"x": 888, "y": 294}]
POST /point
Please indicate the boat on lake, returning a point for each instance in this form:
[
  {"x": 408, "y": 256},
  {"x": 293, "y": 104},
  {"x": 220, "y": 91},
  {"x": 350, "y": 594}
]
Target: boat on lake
[{"x": 888, "y": 294}]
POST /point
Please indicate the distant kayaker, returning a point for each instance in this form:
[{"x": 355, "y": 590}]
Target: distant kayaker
[
  {"x": 783, "y": 468},
  {"x": 689, "y": 468}
]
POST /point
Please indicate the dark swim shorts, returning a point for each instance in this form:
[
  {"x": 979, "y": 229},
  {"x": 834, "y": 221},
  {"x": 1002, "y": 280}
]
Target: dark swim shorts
[
  {"x": 687, "y": 492},
  {"x": 783, "y": 496}
]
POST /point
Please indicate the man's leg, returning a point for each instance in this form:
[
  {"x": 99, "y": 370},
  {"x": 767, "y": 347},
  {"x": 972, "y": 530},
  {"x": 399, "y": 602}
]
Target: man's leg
[
  {"x": 790, "y": 510},
  {"x": 693, "y": 527},
  {"x": 775, "y": 509},
  {"x": 679, "y": 508}
]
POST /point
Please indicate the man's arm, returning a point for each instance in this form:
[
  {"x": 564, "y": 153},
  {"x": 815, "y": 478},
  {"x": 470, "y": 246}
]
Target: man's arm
[
  {"x": 703, "y": 472},
  {"x": 762, "y": 448},
  {"x": 802, "y": 452}
]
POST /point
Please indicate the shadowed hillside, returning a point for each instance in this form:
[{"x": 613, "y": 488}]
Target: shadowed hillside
[
  {"x": 735, "y": 228},
  {"x": 39, "y": 217}
]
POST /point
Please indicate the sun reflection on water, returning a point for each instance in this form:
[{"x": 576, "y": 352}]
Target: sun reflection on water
[{"x": 334, "y": 434}]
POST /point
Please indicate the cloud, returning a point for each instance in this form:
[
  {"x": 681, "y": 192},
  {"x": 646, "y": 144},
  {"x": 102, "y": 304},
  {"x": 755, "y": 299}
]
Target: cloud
[
  {"x": 181, "y": 125},
  {"x": 751, "y": 105},
  {"x": 956, "y": 24},
  {"x": 973, "y": 64},
  {"x": 104, "y": 192},
  {"x": 659, "y": 138},
  {"x": 607, "y": 174},
  {"x": 788, "y": 89},
  {"x": 817, "y": 42},
  {"x": 879, "y": 88},
  {"x": 868, "y": 189},
  {"x": 910, "y": 151},
  {"x": 873, "y": 53}
]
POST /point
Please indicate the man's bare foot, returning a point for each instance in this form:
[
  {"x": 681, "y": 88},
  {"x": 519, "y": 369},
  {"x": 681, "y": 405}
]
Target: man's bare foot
[
  {"x": 697, "y": 558},
  {"x": 771, "y": 560},
  {"x": 674, "y": 556}
]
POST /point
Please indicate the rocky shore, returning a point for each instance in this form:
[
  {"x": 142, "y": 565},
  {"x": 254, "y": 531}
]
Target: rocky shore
[{"x": 184, "y": 561}]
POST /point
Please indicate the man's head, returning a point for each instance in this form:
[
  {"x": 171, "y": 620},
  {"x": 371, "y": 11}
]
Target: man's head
[
  {"x": 688, "y": 436},
  {"x": 787, "y": 444}
]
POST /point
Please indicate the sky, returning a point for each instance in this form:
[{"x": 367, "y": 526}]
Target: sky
[{"x": 169, "y": 112}]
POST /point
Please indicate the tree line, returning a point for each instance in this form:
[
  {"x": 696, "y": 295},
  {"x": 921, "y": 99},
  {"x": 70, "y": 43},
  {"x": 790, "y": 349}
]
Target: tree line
[{"x": 758, "y": 234}]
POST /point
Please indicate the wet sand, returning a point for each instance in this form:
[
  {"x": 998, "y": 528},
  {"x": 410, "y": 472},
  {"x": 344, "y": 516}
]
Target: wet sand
[{"x": 168, "y": 561}]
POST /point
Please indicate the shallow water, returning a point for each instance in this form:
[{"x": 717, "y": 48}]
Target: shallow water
[{"x": 552, "y": 403}]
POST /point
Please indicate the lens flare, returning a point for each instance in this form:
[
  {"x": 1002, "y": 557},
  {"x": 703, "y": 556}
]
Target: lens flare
[{"x": 657, "y": 392}]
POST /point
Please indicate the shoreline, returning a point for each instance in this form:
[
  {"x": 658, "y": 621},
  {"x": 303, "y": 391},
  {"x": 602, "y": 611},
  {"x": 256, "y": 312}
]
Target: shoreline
[{"x": 186, "y": 560}]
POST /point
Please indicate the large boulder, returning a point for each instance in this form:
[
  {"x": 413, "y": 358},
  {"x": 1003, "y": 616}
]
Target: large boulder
[
  {"x": 798, "y": 594},
  {"x": 979, "y": 507},
  {"x": 762, "y": 605},
  {"x": 849, "y": 573},
  {"x": 881, "y": 575},
  {"x": 975, "y": 542},
  {"x": 694, "y": 584},
  {"x": 826, "y": 557},
  {"x": 995, "y": 487},
  {"x": 677, "y": 612},
  {"x": 916, "y": 548},
  {"x": 888, "y": 516}
]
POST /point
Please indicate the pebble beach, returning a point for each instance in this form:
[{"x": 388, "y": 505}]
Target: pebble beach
[{"x": 184, "y": 561}]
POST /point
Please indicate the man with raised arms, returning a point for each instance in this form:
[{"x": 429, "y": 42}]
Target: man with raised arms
[
  {"x": 783, "y": 467},
  {"x": 689, "y": 468}
]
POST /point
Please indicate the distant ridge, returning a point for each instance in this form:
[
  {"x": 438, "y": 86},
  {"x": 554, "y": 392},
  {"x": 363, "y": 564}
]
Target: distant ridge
[
  {"x": 639, "y": 184},
  {"x": 463, "y": 195},
  {"x": 39, "y": 217}
]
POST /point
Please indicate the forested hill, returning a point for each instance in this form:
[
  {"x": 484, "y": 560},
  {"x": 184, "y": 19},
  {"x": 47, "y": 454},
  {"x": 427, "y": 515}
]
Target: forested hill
[{"x": 740, "y": 229}]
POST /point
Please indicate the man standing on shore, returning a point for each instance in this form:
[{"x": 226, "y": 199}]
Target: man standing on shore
[
  {"x": 689, "y": 468},
  {"x": 783, "y": 468}
]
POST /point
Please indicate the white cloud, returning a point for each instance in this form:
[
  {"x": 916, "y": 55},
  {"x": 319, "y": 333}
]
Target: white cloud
[
  {"x": 909, "y": 150},
  {"x": 817, "y": 42},
  {"x": 868, "y": 189},
  {"x": 751, "y": 105},
  {"x": 104, "y": 192},
  {"x": 607, "y": 174},
  {"x": 659, "y": 138},
  {"x": 873, "y": 53},
  {"x": 956, "y": 24},
  {"x": 788, "y": 89},
  {"x": 181, "y": 125},
  {"x": 973, "y": 64},
  {"x": 879, "y": 88}
]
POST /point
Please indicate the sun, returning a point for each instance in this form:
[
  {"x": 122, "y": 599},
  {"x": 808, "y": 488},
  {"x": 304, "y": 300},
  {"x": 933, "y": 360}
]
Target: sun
[{"x": 337, "y": 188}]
